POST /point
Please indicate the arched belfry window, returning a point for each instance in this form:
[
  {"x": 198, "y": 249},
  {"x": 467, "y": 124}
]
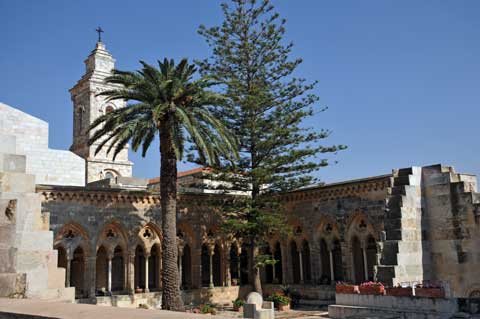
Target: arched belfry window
[{"x": 109, "y": 175}]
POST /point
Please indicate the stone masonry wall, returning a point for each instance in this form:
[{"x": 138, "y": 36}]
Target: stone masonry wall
[
  {"x": 28, "y": 266},
  {"x": 30, "y": 136}
]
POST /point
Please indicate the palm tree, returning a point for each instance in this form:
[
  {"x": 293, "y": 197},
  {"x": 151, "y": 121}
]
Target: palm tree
[{"x": 166, "y": 101}]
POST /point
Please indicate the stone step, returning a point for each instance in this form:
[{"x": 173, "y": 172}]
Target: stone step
[
  {"x": 35, "y": 241},
  {"x": 55, "y": 294},
  {"x": 8, "y": 144},
  {"x": 12, "y": 163},
  {"x": 56, "y": 275},
  {"x": 12, "y": 285},
  {"x": 398, "y": 190},
  {"x": 405, "y": 171},
  {"x": 7, "y": 256},
  {"x": 11, "y": 182},
  {"x": 401, "y": 180},
  {"x": 317, "y": 303}
]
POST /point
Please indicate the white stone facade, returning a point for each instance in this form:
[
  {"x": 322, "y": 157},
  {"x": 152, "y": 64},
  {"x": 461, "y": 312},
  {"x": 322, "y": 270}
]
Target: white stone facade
[{"x": 29, "y": 136}]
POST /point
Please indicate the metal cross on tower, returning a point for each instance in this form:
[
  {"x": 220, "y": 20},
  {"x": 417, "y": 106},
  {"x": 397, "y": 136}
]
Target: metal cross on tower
[{"x": 99, "y": 30}]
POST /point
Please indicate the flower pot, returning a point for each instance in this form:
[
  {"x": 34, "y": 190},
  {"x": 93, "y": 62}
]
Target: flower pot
[
  {"x": 346, "y": 289},
  {"x": 430, "y": 292},
  {"x": 138, "y": 290},
  {"x": 399, "y": 291},
  {"x": 238, "y": 309},
  {"x": 283, "y": 307},
  {"x": 372, "y": 290}
]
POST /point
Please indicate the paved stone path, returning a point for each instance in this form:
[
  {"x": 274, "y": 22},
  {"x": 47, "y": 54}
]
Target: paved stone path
[
  {"x": 291, "y": 314},
  {"x": 46, "y": 309}
]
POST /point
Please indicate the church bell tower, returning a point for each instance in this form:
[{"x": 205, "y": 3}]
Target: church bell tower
[{"x": 87, "y": 106}]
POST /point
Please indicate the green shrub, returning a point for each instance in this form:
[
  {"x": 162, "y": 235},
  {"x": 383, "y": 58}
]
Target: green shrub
[
  {"x": 237, "y": 303},
  {"x": 279, "y": 300},
  {"x": 208, "y": 308}
]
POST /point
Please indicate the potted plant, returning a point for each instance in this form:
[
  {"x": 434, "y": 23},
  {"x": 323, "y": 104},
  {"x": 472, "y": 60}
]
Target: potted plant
[
  {"x": 282, "y": 303},
  {"x": 208, "y": 308},
  {"x": 346, "y": 288},
  {"x": 372, "y": 288},
  {"x": 429, "y": 290},
  {"x": 399, "y": 291},
  {"x": 238, "y": 304}
]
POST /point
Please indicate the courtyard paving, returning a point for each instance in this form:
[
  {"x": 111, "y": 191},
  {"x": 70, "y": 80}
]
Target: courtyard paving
[
  {"x": 297, "y": 313},
  {"x": 50, "y": 309}
]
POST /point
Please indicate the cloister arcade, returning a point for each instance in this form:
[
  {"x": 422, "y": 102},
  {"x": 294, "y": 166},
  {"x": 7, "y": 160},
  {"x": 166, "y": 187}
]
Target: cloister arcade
[{"x": 113, "y": 262}]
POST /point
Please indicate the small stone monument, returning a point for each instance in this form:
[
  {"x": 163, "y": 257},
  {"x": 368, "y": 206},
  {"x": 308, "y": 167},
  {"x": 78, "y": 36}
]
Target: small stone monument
[{"x": 256, "y": 308}]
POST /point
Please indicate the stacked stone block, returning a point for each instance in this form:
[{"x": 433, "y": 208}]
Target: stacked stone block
[
  {"x": 29, "y": 136},
  {"x": 452, "y": 229},
  {"x": 403, "y": 257},
  {"x": 29, "y": 264}
]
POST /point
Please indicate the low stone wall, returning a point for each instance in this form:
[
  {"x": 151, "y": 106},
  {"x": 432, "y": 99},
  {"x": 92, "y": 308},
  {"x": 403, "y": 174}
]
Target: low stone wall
[
  {"x": 222, "y": 296},
  {"x": 152, "y": 299},
  {"x": 307, "y": 295},
  {"x": 405, "y": 307}
]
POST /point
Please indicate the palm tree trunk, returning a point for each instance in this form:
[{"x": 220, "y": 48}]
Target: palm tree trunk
[{"x": 171, "y": 299}]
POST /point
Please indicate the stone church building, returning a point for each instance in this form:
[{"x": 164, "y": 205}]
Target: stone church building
[{"x": 415, "y": 224}]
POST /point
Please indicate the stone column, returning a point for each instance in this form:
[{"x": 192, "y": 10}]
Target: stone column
[
  {"x": 160, "y": 273},
  {"x": 125, "y": 272},
  {"x": 180, "y": 266},
  {"x": 332, "y": 273},
  {"x": 364, "y": 252},
  {"x": 211, "y": 251},
  {"x": 285, "y": 272},
  {"x": 131, "y": 273},
  {"x": 228, "y": 275},
  {"x": 239, "y": 265},
  {"x": 68, "y": 271},
  {"x": 147, "y": 256},
  {"x": 91, "y": 276},
  {"x": 196, "y": 259},
  {"x": 274, "y": 275},
  {"x": 300, "y": 259},
  {"x": 109, "y": 279}
]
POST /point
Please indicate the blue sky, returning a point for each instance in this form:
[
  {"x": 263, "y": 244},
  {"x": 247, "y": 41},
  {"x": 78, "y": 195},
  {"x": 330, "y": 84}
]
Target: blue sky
[{"x": 401, "y": 78}]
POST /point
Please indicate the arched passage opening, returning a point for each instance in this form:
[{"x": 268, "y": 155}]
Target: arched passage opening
[
  {"x": 186, "y": 268},
  {"x": 306, "y": 265},
  {"x": 217, "y": 266},
  {"x": 358, "y": 266},
  {"x": 118, "y": 270},
  {"x": 234, "y": 264},
  {"x": 325, "y": 261},
  {"x": 337, "y": 260},
  {"x": 154, "y": 268},
  {"x": 139, "y": 267},
  {"x": 101, "y": 274},
  {"x": 371, "y": 257},
  {"x": 295, "y": 262},
  {"x": 244, "y": 265},
  {"x": 268, "y": 267},
  {"x": 205, "y": 266},
  {"x": 62, "y": 260},
  {"x": 278, "y": 264},
  {"x": 77, "y": 271}
]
